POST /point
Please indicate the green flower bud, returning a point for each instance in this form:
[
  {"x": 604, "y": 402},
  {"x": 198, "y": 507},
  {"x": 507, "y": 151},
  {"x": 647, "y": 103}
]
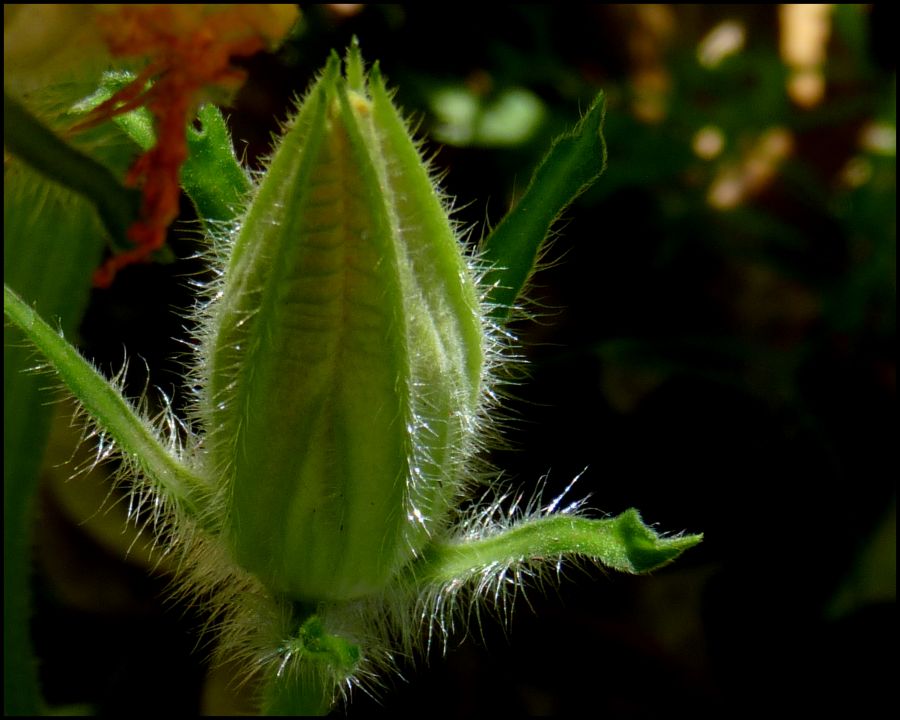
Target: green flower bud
[{"x": 344, "y": 354}]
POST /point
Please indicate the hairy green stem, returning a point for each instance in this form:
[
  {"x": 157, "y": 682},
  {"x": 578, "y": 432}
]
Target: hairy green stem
[{"x": 106, "y": 405}]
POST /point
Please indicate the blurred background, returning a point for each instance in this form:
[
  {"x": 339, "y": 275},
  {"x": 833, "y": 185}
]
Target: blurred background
[{"x": 713, "y": 343}]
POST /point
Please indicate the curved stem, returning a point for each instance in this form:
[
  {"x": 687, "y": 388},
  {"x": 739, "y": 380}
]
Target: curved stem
[{"x": 110, "y": 410}]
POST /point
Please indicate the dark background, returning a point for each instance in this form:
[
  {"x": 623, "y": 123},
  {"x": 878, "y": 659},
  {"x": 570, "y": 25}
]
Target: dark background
[{"x": 730, "y": 371}]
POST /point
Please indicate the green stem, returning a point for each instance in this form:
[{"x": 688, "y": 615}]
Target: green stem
[
  {"x": 305, "y": 694},
  {"x": 105, "y": 404}
]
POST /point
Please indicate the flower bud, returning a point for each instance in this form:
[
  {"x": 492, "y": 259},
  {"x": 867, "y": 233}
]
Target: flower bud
[{"x": 344, "y": 354}]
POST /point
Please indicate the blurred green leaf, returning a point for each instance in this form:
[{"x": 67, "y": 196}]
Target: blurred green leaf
[
  {"x": 464, "y": 118},
  {"x": 52, "y": 241},
  {"x": 34, "y": 143}
]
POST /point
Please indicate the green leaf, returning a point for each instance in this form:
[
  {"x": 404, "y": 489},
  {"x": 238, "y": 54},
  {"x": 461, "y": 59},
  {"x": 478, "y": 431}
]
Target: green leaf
[
  {"x": 136, "y": 124},
  {"x": 575, "y": 161},
  {"x": 622, "y": 543},
  {"x": 52, "y": 241}
]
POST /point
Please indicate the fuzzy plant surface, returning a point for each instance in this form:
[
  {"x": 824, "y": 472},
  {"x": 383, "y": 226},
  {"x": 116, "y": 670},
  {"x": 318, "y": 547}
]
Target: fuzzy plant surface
[{"x": 326, "y": 496}]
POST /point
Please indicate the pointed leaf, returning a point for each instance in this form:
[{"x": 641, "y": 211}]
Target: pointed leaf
[
  {"x": 574, "y": 162},
  {"x": 622, "y": 543}
]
